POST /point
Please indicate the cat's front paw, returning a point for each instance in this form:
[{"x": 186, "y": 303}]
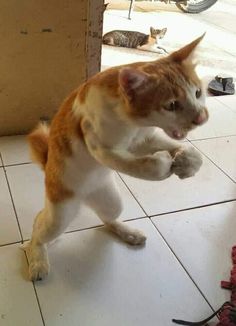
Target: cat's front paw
[
  {"x": 187, "y": 162},
  {"x": 157, "y": 166}
]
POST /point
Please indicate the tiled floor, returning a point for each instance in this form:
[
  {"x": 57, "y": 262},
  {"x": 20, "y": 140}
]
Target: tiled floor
[{"x": 96, "y": 280}]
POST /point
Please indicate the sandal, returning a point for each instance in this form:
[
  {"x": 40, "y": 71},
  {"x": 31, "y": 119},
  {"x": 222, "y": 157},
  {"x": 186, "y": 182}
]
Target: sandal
[{"x": 221, "y": 86}]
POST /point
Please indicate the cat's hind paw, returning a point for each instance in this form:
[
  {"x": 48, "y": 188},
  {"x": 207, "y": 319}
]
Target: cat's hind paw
[
  {"x": 38, "y": 270},
  {"x": 126, "y": 233}
]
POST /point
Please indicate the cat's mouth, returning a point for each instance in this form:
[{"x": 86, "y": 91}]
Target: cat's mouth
[{"x": 177, "y": 134}]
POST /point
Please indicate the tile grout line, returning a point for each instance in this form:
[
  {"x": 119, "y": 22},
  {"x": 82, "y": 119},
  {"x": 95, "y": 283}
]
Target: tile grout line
[
  {"x": 182, "y": 265},
  {"x": 39, "y": 306},
  {"x": 214, "y": 163},
  {"x": 16, "y": 164},
  {"x": 135, "y": 218},
  {"x": 227, "y": 105},
  {"x": 13, "y": 204},
  {"x": 207, "y": 138},
  {"x": 222, "y": 103},
  {"x": 36, "y": 294},
  {"x": 84, "y": 229},
  {"x": 103, "y": 225},
  {"x": 127, "y": 187},
  {"x": 10, "y": 243},
  {"x": 1, "y": 160},
  {"x": 195, "y": 207},
  {"x": 87, "y": 228}
]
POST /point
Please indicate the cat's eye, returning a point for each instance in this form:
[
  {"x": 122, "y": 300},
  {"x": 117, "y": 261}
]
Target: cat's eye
[
  {"x": 172, "y": 106},
  {"x": 198, "y": 93}
]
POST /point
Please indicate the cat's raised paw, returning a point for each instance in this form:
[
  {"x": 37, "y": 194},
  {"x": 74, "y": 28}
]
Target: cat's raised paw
[
  {"x": 157, "y": 166},
  {"x": 187, "y": 162}
]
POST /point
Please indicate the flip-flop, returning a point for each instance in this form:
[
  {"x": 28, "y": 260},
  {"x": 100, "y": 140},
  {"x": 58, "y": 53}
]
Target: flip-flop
[{"x": 221, "y": 86}]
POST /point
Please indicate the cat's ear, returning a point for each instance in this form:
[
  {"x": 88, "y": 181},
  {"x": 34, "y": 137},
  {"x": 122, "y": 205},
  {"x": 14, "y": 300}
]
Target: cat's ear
[
  {"x": 186, "y": 53},
  {"x": 157, "y": 32},
  {"x": 105, "y": 6},
  {"x": 131, "y": 80},
  {"x": 152, "y": 30},
  {"x": 163, "y": 32}
]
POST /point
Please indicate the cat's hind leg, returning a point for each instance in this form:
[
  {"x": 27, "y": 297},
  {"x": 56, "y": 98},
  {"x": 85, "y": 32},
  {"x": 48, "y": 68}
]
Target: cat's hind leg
[
  {"x": 48, "y": 225},
  {"x": 105, "y": 200}
]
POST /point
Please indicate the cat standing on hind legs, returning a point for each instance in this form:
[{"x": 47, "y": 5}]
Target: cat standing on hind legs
[{"x": 110, "y": 123}]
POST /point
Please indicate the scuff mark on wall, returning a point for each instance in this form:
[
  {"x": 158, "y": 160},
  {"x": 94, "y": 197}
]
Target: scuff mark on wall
[
  {"x": 46, "y": 30},
  {"x": 94, "y": 36}
]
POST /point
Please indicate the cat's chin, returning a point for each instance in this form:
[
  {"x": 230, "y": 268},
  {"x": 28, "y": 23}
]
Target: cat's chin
[{"x": 176, "y": 134}]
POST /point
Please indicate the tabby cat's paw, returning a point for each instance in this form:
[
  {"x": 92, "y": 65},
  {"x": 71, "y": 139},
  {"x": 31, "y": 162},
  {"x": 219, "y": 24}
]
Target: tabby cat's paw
[{"x": 187, "y": 162}]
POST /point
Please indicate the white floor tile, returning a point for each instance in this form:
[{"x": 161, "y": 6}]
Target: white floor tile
[
  {"x": 221, "y": 152},
  {"x": 209, "y": 185},
  {"x": 97, "y": 280},
  {"x": 229, "y": 100},
  {"x": 14, "y": 150},
  {"x": 222, "y": 122},
  {"x": 202, "y": 240},
  {"x": 9, "y": 231},
  {"x": 27, "y": 186},
  {"x": 18, "y": 301}
]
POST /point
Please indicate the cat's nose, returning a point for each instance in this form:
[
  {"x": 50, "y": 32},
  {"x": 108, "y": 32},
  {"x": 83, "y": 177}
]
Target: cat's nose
[{"x": 201, "y": 118}]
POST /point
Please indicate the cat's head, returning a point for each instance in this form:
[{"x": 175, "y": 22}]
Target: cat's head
[
  {"x": 157, "y": 33},
  {"x": 165, "y": 93}
]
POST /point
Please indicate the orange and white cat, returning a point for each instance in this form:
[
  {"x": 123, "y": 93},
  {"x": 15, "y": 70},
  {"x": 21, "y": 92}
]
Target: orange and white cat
[{"x": 115, "y": 121}]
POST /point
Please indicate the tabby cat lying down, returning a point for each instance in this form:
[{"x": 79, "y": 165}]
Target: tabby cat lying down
[
  {"x": 132, "y": 39},
  {"x": 113, "y": 122}
]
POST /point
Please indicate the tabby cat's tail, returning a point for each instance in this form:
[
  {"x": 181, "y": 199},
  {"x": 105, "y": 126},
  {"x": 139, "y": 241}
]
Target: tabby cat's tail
[{"x": 38, "y": 140}]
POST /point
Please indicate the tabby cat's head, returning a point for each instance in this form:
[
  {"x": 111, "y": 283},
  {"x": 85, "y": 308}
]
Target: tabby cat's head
[
  {"x": 165, "y": 93},
  {"x": 157, "y": 33}
]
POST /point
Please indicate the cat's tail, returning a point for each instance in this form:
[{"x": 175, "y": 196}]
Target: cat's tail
[{"x": 38, "y": 140}]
